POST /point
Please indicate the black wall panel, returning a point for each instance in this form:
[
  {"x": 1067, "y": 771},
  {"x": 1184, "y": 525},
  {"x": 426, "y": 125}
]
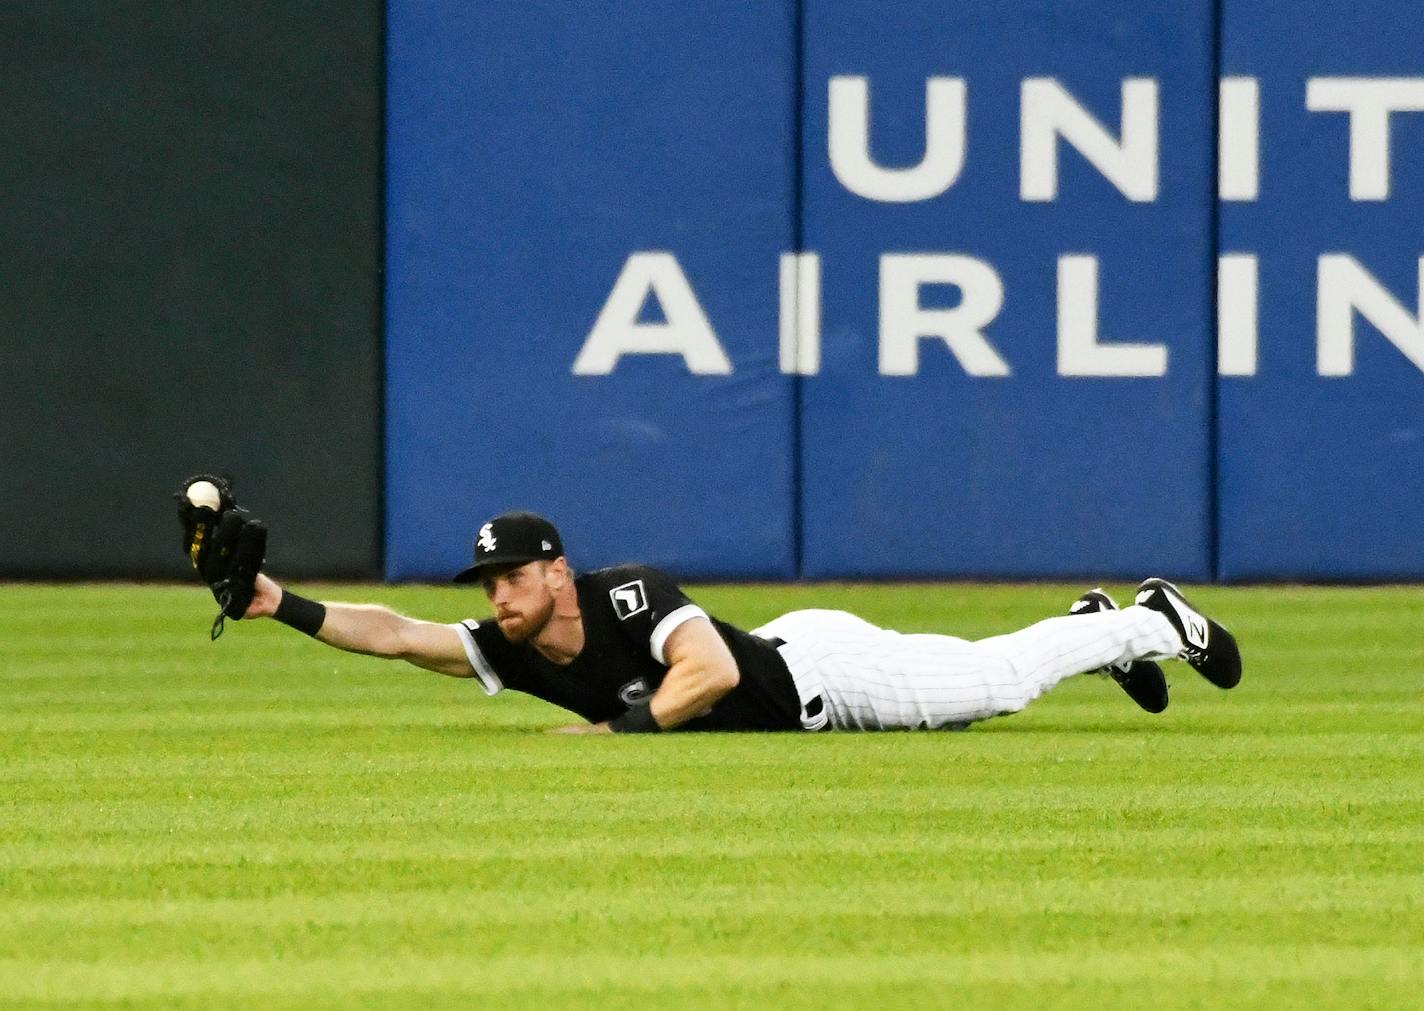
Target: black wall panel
[{"x": 190, "y": 221}]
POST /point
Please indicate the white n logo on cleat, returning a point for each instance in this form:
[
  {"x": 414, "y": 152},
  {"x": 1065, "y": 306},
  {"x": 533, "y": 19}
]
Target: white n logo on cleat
[{"x": 1196, "y": 628}]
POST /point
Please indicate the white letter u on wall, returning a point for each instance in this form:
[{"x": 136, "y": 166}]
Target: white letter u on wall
[{"x": 849, "y": 142}]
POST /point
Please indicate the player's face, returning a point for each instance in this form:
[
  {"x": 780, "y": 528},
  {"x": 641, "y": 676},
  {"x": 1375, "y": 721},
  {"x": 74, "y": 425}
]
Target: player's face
[{"x": 523, "y": 600}]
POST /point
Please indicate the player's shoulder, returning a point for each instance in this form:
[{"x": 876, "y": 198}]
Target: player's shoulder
[
  {"x": 628, "y": 591},
  {"x": 615, "y": 576}
]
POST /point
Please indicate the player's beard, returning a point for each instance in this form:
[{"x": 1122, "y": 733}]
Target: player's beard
[{"x": 527, "y": 627}]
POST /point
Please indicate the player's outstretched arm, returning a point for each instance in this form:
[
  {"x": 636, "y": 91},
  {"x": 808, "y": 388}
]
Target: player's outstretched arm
[{"x": 375, "y": 631}]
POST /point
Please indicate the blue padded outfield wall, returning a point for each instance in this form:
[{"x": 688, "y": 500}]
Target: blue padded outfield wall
[
  {"x": 1322, "y": 443},
  {"x": 541, "y": 158},
  {"x": 995, "y": 459},
  {"x": 832, "y": 289}
]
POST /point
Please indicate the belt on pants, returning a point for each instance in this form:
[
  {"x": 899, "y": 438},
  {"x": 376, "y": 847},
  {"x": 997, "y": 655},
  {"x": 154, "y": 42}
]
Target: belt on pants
[{"x": 813, "y": 710}]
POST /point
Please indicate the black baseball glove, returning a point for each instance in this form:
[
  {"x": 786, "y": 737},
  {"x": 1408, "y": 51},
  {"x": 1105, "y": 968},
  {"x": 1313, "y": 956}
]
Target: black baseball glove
[{"x": 225, "y": 544}]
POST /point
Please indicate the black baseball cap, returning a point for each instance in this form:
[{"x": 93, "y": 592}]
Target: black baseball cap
[{"x": 513, "y": 539}]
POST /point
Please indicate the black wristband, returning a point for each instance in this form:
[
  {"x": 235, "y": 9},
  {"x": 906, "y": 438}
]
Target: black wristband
[
  {"x": 637, "y": 720},
  {"x": 302, "y": 614}
]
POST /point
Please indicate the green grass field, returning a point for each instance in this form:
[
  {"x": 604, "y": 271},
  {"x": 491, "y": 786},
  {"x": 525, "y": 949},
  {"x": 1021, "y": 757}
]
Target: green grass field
[{"x": 265, "y": 822}]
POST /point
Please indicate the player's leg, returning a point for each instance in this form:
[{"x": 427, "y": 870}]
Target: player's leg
[
  {"x": 876, "y": 679},
  {"x": 1161, "y": 625},
  {"x": 1142, "y": 680},
  {"x": 1049, "y": 651}
]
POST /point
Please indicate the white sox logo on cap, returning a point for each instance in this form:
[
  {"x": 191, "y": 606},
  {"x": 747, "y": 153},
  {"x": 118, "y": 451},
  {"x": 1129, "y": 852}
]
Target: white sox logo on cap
[
  {"x": 629, "y": 599},
  {"x": 510, "y": 540}
]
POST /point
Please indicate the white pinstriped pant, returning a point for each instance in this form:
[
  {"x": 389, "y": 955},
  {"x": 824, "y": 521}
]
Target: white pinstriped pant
[{"x": 871, "y": 678}]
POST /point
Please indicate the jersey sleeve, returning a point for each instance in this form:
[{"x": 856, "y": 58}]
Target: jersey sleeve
[
  {"x": 483, "y": 651},
  {"x": 649, "y": 606}
]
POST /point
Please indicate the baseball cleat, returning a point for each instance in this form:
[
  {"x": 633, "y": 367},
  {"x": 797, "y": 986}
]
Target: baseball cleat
[
  {"x": 1143, "y": 680},
  {"x": 1209, "y": 648}
]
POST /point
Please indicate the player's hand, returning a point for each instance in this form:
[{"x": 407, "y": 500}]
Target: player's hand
[
  {"x": 225, "y": 544},
  {"x": 583, "y": 728},
  {"x": 265, "y": 598}
]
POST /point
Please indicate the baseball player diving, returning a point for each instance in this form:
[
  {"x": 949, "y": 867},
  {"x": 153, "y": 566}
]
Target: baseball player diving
[{"x": 629, "y": 652}]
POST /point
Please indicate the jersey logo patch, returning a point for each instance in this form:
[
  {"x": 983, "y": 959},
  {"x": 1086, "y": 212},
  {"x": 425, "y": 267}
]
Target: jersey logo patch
[
  {"x": 629, "y": 599},
  {"x": 634, "y": 692}
]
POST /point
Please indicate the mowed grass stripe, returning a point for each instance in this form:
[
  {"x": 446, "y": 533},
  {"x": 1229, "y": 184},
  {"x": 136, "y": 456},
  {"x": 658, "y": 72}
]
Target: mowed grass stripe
[
  {"x": 157, "y": 762},
  {"x": 945, "y": 934},
  {"x": 513, "y": 740},
  {"x": 738, "y": 843},
  {"x": 1157, "y": 895},
  {"x": 413, "y": 972},
  {"x": 587, "y": 801},
  {"x": 932, "y": 810},
  {"x": 853, "y": 873}
]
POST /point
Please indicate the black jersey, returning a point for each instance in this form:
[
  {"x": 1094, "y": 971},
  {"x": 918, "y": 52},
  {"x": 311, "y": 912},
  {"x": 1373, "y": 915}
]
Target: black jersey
[{"x": 628, "y": 613}]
